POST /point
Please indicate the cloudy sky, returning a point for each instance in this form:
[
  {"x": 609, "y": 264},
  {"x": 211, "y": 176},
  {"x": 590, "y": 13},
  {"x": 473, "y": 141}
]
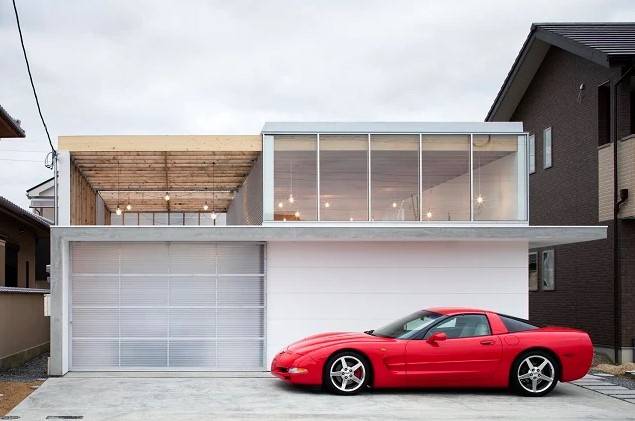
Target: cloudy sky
[{"x": 224, "y": 67}]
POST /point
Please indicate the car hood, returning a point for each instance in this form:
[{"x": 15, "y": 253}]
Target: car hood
[{"x": 323, "y": 340}]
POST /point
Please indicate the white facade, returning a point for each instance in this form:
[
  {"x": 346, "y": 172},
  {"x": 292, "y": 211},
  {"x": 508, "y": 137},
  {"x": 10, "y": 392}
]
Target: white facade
[{"x": 355, "y": 286}]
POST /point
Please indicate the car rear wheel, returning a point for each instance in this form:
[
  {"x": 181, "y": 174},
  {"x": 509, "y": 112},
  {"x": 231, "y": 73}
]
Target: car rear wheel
[
  {"x": 534, "y": 373},
  {"x": 346, "y": 373}
]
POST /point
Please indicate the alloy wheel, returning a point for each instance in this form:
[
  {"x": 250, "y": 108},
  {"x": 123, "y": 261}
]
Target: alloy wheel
[
  {"x": 347, "y": 373},
  {"x": 536, "y": 374}
]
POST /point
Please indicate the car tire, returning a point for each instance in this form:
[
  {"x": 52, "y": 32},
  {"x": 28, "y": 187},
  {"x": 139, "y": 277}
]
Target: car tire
[
  {"x": 534, "y": 373},
  {"x": 346, "y": 373}
]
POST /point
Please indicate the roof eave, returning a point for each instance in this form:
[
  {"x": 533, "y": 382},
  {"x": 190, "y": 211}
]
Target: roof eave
[{"x": 14, "y": 127}]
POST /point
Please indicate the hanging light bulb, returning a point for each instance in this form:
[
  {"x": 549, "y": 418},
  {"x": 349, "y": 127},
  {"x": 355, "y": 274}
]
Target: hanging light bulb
[
  {"x": 214, "y": 216},
  {"x": 429, "y": 214},
  {"x": 284, "y": 219},
  {"x": 479, "y": 199},
  {"x": 118, "y": 211},
  {"x": 129, "y": 206},
  {"x": 205, "y": 206},
  {"x": 167, "y": 197},
  {"x": 297, "y": 214},
  {"x": 280, "y": 205},
  {"x": 394, "y": 204},
  {"x": 291, "y": 199},
  {"x": 351, "y": 219},
  {"x": 327, "y": 205}
]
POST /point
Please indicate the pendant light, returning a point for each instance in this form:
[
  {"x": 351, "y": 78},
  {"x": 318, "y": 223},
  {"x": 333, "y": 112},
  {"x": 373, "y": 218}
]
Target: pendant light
[
  {"x": 129, "y": 205},
  {"x": 291, "y": 199}
]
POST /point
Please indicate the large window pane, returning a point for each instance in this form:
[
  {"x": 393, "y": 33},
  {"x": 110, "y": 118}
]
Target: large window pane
[
  {"x": 344, "y": 177},
  {"x": 146, "y": 219},
  {"x": 295, "y": 178},
  {"x": 394, "y": 177},
  {"x": 496, "y": 177},
  {"x": 445, "y": 165},
  {"x": 160, "y": 218}
]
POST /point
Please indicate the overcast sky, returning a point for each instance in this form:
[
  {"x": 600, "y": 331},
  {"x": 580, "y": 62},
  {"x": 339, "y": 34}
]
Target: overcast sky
[{"x": 224, "y": 67}]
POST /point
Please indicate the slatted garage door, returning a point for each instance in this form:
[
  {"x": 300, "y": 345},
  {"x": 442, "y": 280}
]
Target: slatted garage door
[{"x": 174, "y": 306}]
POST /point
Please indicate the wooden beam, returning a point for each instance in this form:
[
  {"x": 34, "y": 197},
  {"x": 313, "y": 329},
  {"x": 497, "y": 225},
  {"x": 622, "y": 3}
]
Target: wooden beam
[{"x": 162, "y": 143}]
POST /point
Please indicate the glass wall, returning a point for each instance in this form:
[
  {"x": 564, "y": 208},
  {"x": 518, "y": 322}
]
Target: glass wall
[
  {"x": 497, "y": 177},
  {"x": 394, "y": 174},
  {"x": 441, "y": 178},
  {"x": 445, "y": 165},
  {"x": 344, "y": 178},
  {"x": 295, "y": 178}
]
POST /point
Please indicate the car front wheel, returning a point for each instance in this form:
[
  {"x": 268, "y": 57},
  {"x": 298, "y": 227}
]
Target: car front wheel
[
  {"x": 535, "y": 373},
  {"x": 346, "y": 373}
]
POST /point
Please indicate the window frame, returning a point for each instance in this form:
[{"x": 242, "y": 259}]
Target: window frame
[
  {"x": 547, "y": 134},
  {"x": 543, "y": 270},
  {"x": 535, "y": 253},
  {"x": 531, "y": 153},
  {"x": 431, "y": 329}
]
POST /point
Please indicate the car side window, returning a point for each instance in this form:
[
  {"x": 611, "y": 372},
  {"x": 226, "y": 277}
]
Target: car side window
[{"x": 463, "y": 326}]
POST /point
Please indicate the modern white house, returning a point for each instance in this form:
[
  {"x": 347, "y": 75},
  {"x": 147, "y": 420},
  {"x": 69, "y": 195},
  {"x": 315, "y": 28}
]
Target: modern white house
[{"x": 200, "y": 253}]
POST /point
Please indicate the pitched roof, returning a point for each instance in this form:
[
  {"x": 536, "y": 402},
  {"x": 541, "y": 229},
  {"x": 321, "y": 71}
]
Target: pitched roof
[
  {"x": 13, "y": 209},
  {"x": 607, "y": 44},
  {"x": 8, "y": 126}
]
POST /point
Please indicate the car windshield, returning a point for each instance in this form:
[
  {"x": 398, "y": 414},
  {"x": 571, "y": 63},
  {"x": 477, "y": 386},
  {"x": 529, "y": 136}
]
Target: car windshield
[{"x": 407, "y": 327}]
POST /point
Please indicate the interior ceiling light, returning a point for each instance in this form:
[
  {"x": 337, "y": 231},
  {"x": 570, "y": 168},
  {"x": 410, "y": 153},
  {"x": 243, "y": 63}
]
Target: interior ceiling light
[
  {"x": 297, "y": 214},
  {"x": 118, "y": 211},
  {"x": 394, "y": 204},
  {"x": 214, "y": 192},
  {"x": 479, "y": 199},
  {"x": 205, "y": 207},
  {"x": 351, "y": 219},
  {"x": 327, "y": 205},
  {"x": 429, "y": 214},
  {"x": 214, "y": 216},
  {"x": 280, "y": 205},
  {"x": 167, "y": 197},
  {"x": 291, "y": 199}
]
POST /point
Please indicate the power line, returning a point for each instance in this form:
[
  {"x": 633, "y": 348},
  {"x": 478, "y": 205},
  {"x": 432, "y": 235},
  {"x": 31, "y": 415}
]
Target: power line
[{"x": 28, "y": 68}]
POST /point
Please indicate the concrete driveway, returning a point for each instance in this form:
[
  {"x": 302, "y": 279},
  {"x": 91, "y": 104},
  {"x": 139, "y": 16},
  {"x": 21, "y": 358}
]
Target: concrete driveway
[{"x": 259, "y": 396}]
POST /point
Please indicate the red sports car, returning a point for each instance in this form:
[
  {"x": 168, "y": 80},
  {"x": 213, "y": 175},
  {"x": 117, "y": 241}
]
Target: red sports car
[{"x": 440, "y": 347}]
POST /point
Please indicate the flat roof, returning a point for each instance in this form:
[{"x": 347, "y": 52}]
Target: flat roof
[
  {"x": 391, "y": 127},
  {"x": 535, "y": 236}
]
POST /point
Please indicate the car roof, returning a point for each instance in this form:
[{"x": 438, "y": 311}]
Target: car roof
[{"x": 448, "y": 311}]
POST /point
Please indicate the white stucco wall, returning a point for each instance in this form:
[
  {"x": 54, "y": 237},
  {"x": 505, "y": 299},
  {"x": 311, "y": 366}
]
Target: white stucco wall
[{"x": 315, "y": 287}]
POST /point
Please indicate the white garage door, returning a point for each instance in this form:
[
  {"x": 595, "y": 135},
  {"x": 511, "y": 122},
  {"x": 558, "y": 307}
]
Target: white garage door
[{"x": 167, "y": 306}]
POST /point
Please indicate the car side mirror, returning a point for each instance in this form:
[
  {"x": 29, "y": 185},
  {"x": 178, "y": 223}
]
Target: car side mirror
[{"x": 437, "y": 337}]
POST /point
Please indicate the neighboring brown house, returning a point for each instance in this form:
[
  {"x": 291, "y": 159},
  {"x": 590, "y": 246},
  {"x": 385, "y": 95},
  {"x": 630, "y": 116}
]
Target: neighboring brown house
[
  {"x": 24, "y": 247},
  {"x": 24, "y": 254},
  {"x": 564, "y": 87},
  {"x": 9, "y": 128}
]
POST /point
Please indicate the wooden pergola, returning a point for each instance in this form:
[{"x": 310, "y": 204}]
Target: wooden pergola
[{"x": 141, "y": 170}]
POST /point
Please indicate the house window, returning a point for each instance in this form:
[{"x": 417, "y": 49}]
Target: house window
[
  {"x": 548, "y": 271},
  {"x": 532, "y": 154},
  {"x": 546, "y": 139},
  {"x": 533, "y": 271}
]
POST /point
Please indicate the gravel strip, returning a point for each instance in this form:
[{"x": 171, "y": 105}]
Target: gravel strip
[
  {"x": 618, "y": 380},
  {"x": 27, "y": 372}
]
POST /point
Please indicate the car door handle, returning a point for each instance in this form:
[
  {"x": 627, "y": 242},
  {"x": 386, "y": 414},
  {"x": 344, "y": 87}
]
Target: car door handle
[{"x": 488, "y": 342}]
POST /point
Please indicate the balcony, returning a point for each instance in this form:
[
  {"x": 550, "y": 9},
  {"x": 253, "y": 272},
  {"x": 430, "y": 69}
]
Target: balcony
[{"x": 626, "y": 178}]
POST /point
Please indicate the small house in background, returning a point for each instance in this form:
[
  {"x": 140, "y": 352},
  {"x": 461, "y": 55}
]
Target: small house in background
[
  {"x": 42, "y": 199},
  {"x": 213, "y": 252}
]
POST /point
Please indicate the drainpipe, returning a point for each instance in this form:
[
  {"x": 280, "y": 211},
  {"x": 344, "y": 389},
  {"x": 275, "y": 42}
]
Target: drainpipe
[{"x": 618, "y": 199}]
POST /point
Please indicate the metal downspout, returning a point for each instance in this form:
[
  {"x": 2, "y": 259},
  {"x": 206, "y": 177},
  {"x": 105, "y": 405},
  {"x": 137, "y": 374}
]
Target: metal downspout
[{"x": 617, "y": 283}]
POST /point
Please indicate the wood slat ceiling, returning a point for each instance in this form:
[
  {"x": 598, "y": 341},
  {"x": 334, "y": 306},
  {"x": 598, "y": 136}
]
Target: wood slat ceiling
[{"x": 192, "y": 178}]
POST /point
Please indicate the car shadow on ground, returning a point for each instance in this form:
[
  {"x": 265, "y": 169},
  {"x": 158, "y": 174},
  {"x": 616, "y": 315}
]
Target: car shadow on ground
[{"x": 316, "y": 390}]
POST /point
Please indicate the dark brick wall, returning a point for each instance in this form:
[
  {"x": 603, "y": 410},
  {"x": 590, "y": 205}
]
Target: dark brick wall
[{"x": 567, "y": 194}]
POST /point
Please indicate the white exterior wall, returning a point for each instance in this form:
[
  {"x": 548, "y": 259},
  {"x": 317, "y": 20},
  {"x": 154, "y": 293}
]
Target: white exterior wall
[{"x": 315, "y": 287}]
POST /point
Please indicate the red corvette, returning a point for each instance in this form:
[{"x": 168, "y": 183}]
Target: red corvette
[{"x": 440, "y": 347}]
